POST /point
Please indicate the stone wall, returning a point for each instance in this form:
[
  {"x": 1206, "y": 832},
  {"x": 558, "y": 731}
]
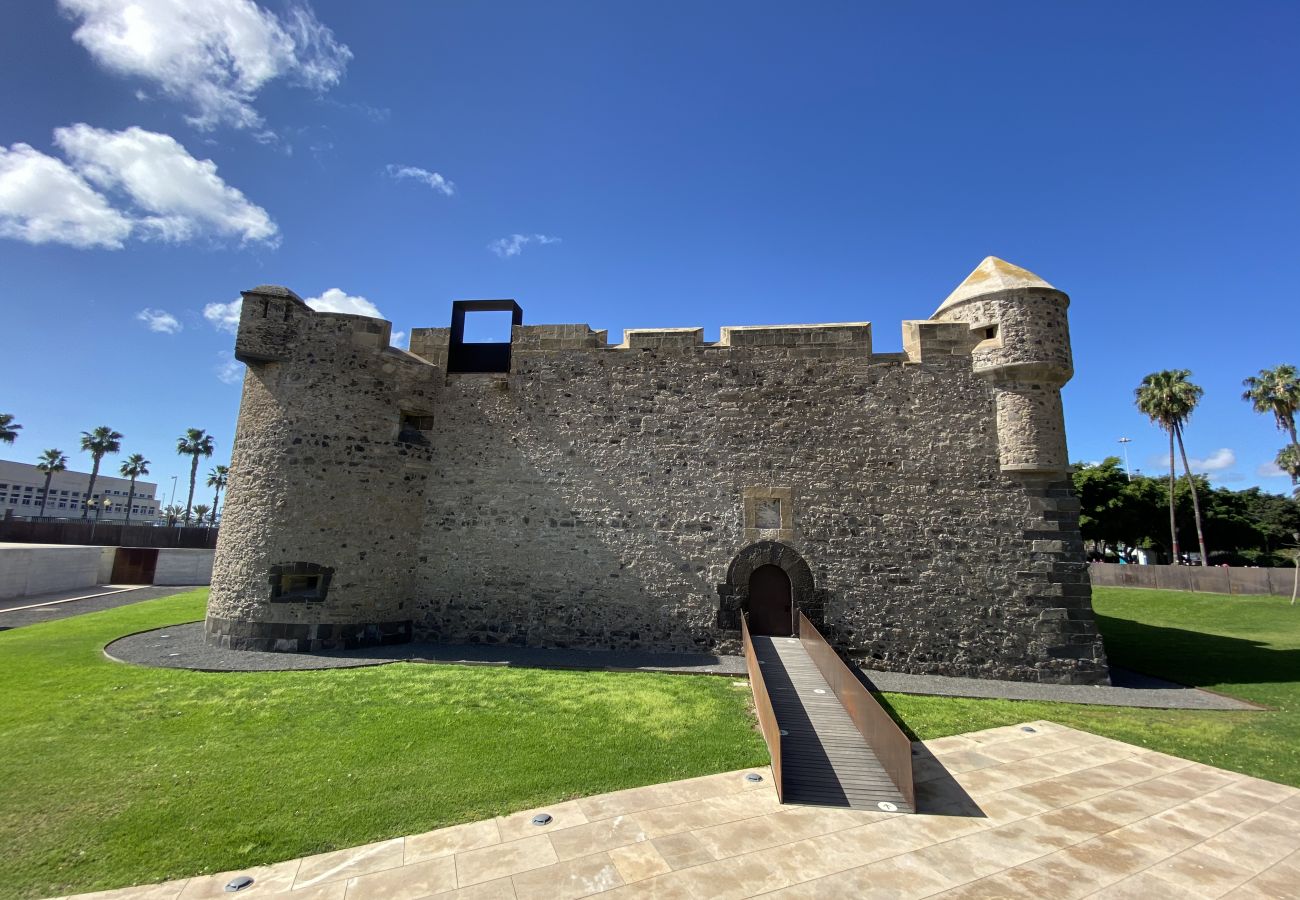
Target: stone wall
[{"x": 605, "y": 495}]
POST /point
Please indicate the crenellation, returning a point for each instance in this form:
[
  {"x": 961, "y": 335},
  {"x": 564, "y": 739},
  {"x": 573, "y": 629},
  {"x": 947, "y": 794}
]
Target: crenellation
[{"x": 562, "y": 491}]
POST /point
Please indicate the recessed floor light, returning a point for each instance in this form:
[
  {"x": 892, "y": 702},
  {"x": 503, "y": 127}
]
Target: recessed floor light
[
  {"x": 238, "y": 883},
  {"x": 886, "y": 806},
  {"x": 542, "y": 819}
]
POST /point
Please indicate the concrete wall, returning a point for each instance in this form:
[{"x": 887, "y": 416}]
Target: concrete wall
[
  {"x": 29, "y": 569},
  {"x": 184, "y": 567},
  {"x": 1210, "y": 579}
]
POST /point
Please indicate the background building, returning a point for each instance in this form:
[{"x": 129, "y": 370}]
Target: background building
[{"x": 22, "y": 486}]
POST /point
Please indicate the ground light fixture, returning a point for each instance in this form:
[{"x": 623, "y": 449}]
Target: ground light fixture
[
  {"x": 238, "y": 883},
  {"x": 753, "y": 776},
  {"x": 1028, "y": 730},
  {"x": 542, "y": 819}
]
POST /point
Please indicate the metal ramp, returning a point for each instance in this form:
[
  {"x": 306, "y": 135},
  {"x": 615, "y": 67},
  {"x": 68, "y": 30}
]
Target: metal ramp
[{"x": 831, "y": 743}]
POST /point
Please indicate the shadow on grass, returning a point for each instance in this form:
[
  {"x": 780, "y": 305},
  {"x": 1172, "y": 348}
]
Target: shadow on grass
[{"x": 1193, "y": 657}]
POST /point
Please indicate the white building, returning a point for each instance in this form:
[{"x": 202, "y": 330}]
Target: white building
[{"x": 22, "y": 487}]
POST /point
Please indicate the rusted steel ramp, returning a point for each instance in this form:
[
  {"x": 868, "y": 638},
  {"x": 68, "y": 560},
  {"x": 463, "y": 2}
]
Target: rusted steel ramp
[{"x": 831, "y": 743}]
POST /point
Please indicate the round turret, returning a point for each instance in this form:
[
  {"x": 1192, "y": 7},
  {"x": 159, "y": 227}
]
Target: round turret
[{"x": 1024, "y": 350}]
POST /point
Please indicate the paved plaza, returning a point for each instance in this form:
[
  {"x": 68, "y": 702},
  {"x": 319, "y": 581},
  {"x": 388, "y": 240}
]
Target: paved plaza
[{"x": 1035, "y": 810}]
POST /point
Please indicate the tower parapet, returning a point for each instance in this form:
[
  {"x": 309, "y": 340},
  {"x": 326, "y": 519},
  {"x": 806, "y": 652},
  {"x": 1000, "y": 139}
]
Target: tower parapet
[{"x": 1022, "y": 347}]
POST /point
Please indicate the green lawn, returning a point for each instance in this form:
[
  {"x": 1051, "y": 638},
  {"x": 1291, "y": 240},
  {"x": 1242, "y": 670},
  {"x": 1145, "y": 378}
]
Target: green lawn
[
  {"x": 1248, "y": 647},
  {"x": 113, "y": 774}
]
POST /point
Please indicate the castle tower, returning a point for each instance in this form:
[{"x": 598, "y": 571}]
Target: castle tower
[
  {"x": 1024, "y": 351},
  {"x": 318, "y": 541}
]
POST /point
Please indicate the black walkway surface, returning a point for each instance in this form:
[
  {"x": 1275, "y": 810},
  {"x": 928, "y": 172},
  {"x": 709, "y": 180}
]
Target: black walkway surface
[{"x": 825, "y": 761}]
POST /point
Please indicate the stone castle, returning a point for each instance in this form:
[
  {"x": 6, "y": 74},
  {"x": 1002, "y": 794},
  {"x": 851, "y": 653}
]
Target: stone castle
[{"x": 562, "y": 491}]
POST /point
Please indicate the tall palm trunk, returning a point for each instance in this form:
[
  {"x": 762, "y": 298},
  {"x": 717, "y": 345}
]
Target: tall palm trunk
[
  {"x": 1295, "y": 479},
  {"x": 45, "y": 497},
  {"x": 129, "y": 500},
  {"x": 1196, "y": 505},
  {"x": 212, "y": 516},
  {"x": 194, "y": 474},
  {"x": 1173, "y": 526},
  {"x": 90, "y": 491}
]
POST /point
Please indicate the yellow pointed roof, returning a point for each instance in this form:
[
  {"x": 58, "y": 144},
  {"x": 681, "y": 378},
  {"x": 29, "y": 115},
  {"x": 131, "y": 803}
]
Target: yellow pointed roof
[{"x": 991, "y": 276}]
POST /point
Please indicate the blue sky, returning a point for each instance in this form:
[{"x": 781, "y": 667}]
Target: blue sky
[{"x": 663, "y": 164}]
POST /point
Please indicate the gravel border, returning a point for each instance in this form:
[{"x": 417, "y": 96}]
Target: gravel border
[
  {"x": 1127, "y": 689},
  {"x": 183, "y": 647}
]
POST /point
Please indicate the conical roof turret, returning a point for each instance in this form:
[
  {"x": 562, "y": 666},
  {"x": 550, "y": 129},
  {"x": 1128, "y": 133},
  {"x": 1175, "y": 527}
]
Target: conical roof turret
[{"x": 991, "y": 276}]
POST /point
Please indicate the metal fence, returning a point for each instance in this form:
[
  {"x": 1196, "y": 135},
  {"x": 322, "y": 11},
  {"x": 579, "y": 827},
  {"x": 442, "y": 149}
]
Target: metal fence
[{"x": 104, "y": 534}]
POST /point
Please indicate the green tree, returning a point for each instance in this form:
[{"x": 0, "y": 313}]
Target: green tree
[
  {"x": 194, "y": 443},
  {"x": 173, "y": 512},
  {"x": 51, "y": 461},
  {"x": 217, "y": 478},
  {"x": 1167, "y": 398},
  {"x": 200, "y": 510},
  {"x": 1276, "y": 391},
  {"x": 8, "y": 428},
  {"x": 135, "y": 466},
  {"x": 97, "y": 443},
  {"x": 1100, "y": 490}
]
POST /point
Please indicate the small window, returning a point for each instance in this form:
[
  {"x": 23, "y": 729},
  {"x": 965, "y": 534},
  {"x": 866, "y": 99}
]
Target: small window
[
  {"x": 990, "y": 332},
  {"x": 414, "y": 428},
  {"x": 299, "y": 582}
]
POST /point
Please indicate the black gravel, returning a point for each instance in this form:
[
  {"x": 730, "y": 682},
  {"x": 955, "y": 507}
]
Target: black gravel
[
  {"x": 183, "y": 647},
  {"x": 1127, "y": 689}
]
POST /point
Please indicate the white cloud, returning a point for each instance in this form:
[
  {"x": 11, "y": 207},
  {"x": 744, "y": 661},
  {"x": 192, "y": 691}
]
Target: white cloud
[
  {"x": 224, "y": 316},
  {"x": 336, "y": 301},
  {"x": 397, "y": 338},
  {"x": 229, "y": 369},
  {"x": 1270, "y": 469},
  {"x": 1218, "y": 461},
  {"x": 515, "y": 243},
  {"x": 159, "y": 320},
  {"x": 424, "y": 176},
  {"x": 44, "y": 201},
  {"x": 215, "y": 54},
  {"x": 183, "y": 196}
]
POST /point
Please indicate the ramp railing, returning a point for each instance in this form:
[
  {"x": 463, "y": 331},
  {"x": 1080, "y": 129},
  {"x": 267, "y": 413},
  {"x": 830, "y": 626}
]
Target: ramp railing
[
  {"x": 763, "y": 704},
  {"x": 881, "y": 733}
]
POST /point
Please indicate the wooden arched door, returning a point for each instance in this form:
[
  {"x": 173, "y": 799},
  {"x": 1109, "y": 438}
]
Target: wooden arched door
[{"x": 770, "y": 608}]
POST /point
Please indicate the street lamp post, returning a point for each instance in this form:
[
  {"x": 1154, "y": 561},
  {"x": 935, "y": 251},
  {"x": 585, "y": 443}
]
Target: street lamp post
[{"x": 1124, "y": 442}]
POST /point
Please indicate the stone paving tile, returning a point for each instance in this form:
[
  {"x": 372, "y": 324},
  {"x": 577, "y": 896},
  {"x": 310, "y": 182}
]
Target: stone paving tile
[
  {"x": 168, "y": 890},
  {"x": 682, "y": 850},
  {"x": 410, "y": 882},
  {"x": 487, "y": 863},
  {"x": 1195, "y": 873},
  {"x": 446, "y": 841},
  {"x": 340, "y": 865},
  {"x": 500, "y": 889},
  {"x": 1278, "y": 882},
  {"x": 636, "y": 862},
  {"x": 584, "y": 840},
  {"x": 569, "y": 880}
]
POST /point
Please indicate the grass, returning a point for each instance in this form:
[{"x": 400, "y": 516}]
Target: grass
[
  {"x": 1248, "y": 647},
  {"x": 113, "y": 774}
]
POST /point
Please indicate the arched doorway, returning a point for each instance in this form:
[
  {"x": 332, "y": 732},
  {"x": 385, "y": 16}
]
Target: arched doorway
[{"x": 771, "y": 610}]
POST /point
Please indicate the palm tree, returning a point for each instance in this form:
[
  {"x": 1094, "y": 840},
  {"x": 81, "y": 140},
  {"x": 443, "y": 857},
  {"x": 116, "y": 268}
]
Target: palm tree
[
  {"x": 217, "y": 478},
  {"x": 51, "y": 461},
  {"x": 8, "y": 428},
  {"x": 1276, "y": 391},
  {"x": 135, "y": 466},
  {"x": 1288, "y": 460},
  {"x": 200, "y": 510},
  {"x": 98, "y": 442},
  {"x": 195, "y": 442},
  {"x": 173, "y": 512},
  {"x": 1167, "y": 398}
]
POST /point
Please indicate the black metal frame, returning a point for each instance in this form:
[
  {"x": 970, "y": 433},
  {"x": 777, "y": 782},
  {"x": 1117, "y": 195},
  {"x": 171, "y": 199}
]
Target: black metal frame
[{"x": 479, "y": 357}]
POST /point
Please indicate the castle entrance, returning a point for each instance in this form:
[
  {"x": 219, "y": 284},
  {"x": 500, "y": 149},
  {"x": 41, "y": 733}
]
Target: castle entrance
[{"x": 771, "y": 610}]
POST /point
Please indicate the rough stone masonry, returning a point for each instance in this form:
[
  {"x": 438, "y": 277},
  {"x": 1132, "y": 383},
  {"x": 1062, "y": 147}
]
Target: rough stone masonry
[{"x": 560, "y": 491}]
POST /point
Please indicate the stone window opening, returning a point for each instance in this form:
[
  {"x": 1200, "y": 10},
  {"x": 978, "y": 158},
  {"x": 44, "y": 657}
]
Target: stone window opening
[
  {"x": 299, "y": 582},
  {"x": 991, "y": 332},
  {"x": 413, "y": 427}
]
